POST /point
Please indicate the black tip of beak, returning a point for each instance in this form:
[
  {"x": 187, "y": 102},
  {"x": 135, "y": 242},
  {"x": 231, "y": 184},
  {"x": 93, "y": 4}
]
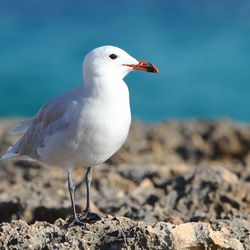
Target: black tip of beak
[
  {"x": 152, "y": 68},
  {"x": 143, "y": 66}
]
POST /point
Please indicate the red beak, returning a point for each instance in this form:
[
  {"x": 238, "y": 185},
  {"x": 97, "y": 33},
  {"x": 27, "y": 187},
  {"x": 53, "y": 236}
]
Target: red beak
[{"x": 143, "y": 66}]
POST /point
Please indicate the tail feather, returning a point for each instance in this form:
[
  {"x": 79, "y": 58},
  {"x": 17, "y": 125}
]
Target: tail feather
[
  {"x": 9, "y": 154},
  {"x": 20, "y": 128}
]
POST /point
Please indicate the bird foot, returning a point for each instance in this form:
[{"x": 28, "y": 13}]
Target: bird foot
[
  {"x": 87, "y": 217},
  {"x": 76, "y": 222},
  {"x": 90, "y": 217}
]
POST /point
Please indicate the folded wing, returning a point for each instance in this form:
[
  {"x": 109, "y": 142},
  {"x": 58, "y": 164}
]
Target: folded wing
[{"x": 52, "y": 118}]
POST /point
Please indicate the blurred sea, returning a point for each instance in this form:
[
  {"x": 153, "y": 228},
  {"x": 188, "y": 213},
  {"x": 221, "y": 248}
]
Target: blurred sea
[{"x": 201, "y": 48}]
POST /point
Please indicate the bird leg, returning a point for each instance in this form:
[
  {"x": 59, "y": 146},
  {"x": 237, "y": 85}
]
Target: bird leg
[
  {"x": 88, "y": 186},
  {"x": 71, "y": 188},
  {"x": 88, "y": 215}
]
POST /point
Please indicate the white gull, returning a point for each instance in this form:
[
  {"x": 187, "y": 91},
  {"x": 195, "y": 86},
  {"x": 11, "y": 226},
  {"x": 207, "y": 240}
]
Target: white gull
[{"x": 86, "y": 125}]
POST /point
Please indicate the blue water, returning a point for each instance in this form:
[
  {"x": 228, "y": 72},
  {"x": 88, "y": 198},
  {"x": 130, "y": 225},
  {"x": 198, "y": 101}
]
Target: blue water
[{"x": 201, "y": 48}]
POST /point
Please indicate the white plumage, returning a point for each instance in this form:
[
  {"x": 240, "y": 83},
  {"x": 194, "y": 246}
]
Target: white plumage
[{"x": 88, "y": 124}]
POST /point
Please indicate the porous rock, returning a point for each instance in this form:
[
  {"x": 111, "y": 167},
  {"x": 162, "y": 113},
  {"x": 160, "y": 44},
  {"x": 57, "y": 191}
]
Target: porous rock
[
  {"x": 124, "y": 233},
  {"x": 173, "y": 185}
]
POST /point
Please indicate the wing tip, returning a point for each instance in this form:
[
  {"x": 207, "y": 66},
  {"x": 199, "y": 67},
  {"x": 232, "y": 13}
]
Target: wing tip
[
  {"x": 21, "y": 127},
  {"x": 8, "y": 156}
]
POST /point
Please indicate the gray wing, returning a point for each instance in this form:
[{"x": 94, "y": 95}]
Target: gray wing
[{"x": 50, "y": 119}]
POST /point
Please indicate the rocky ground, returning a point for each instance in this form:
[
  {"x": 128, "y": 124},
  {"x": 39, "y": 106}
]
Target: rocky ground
[{"x": 173, "y": 185}]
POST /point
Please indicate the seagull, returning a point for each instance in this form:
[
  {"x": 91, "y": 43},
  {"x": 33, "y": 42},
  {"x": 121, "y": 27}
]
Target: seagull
[{"x": 85, "y": 126}]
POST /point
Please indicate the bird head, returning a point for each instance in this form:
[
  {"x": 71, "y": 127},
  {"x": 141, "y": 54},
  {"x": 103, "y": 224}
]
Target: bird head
[{"x": 112, "y": 61}]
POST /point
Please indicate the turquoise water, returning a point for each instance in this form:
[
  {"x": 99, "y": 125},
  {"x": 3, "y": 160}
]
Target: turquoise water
[{"x": 201, "y": 48}]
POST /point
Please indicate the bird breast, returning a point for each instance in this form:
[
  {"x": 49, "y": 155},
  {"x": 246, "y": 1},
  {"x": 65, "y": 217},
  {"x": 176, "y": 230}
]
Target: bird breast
[{"x": 102, "y": 129}]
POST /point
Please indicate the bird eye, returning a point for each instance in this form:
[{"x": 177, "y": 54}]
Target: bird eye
[{"x": 113, "y": 56}]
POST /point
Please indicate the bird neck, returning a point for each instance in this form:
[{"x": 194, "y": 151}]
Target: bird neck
[{"x": 105, "y": 87}]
